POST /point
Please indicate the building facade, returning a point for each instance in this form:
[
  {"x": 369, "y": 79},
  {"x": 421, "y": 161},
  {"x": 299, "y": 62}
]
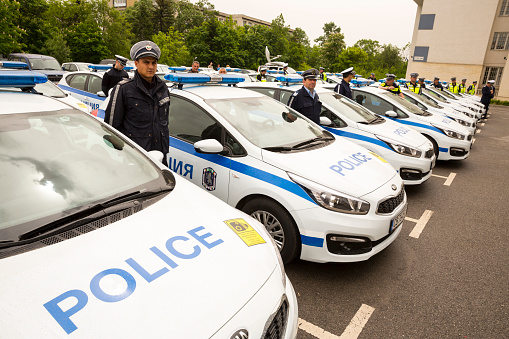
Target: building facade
[{"x": 462, "y": 38}]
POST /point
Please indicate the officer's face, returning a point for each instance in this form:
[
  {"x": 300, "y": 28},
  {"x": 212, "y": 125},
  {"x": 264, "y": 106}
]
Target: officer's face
[
  {"x": 118, "y": 65},
  {"x": 309, "y": 83},
  {"x": 147, "y": 67},
  {"x": 389, "y": 82},
  {"x": 195, "y": 67},
  {"x": 413, "y": 79}
]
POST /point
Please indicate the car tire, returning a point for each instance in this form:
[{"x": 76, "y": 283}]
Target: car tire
[
  {"x": 279, "y": 224},
  {"x": 435, "y": 145}
]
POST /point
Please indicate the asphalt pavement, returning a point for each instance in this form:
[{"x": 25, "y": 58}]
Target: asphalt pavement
[{"x": 451, "y": 281}]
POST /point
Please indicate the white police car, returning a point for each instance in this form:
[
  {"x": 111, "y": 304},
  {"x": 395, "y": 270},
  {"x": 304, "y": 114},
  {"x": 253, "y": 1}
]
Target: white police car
[
  {"x": 442, "y": 102},
  {"x": 75, "y": 66},
  {"x": 465, "y": 98},
  {"x": 464, "y": 103},
  {"x": 98, "y": 240},
  {"x": 409, "y": 152},
  {"x": 451, "y": 141},
  {"x": 428, "y": 105},
  {"x": 321, "y": 198}
]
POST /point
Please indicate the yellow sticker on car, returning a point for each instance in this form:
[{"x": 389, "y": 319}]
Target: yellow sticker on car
[
  {"x": 379, "y": 157},
  {"x": 82, "y": 105},
  {"x": 245, "y": 232}
]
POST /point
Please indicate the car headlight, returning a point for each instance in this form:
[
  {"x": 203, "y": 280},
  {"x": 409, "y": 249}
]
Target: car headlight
[
  {"x": 462, "y": 122},
  {"x": 331, "y": 199},
  {"x": 402, "y": 149},
  {"x": 452, "y": 134}
]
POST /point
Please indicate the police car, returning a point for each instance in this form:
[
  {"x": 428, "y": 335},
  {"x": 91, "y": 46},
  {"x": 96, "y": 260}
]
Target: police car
[
  {"x": 451, "y": 141},
  {"x": 75, "y": 66},
  {"x": 442, "y": 102},
  {"x": 463, "y": 103},
  {"x": 98, "y": 240},
  {"x": 428, "y": 105},
  {"x": 322, "y": 199},
  {"x": 409, "y": 152},
  {"x": 467, "y": 99}
]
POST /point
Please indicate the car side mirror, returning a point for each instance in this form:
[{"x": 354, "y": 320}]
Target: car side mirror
[
  {"x": 157, "y": 156},
  {"x": 324, "y": 121},
  {"x": 208, "y": 146},
  {"x": 101, "y": 94},
  {"x": 391, "y": 114}
]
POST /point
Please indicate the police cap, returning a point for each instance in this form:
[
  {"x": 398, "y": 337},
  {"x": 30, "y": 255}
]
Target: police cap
[
  {"x": 421, "y": 79},
  {"x": 347, "y": 72},
  {"x": 390, "y": 76},
  {"x": 453, "y": 78},
  {"x": 372, "y": 73},
  {"x": 121, "y": 59},
  {"x": 437, "y": 78},
  {"x": 285, "y": 65},
  {"x": 414, "y": 75},
  {"x": 263, "y": 68},
  {"x": 475, "y": 81},
  {"x": 145, "y": 48},
  {"x": 463, "y": 79},
  {"x": 311, "y": 74},
  {"x": 491, "y": 81},
  {"x": 321, "y": 68}
]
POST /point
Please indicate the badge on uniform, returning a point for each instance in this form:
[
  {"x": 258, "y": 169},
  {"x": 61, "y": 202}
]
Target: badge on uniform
[{"x": 208, "y": 179}]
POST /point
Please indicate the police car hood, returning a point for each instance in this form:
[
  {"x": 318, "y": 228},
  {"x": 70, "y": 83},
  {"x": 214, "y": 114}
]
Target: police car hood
[
  {"x": 192, "y": 300},
  {"x": 342, "y": 166},
  {"x": 440, "y": 121},
  {"x": 395, "y": 132}
]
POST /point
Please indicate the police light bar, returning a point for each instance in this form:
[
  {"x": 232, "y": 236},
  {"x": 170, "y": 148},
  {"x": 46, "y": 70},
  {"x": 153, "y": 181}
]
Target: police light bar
[
  {"x": 128, "y": 68},
  {"x": 178, "y": 69},
  {"x": 201, "y": 78},
  {"x": 13, "y": 64},
  {"x": 428, "y": 82},
  {"x": 100, "y": 67},
  {"x": 21, "y": 79},
  {"x": 273, "y": 71},
  {"x": 381, "y": 81},
  {"x": 228, "y": 69},
  {"x": 339, "y": 75},
  {"x": 290, "y": 79},
  {"x": 402, "y": 81},
  {"x": 300, "y": 72},
  {"x": 359, "y": 82},
  {"x": 371, "y": 82}
]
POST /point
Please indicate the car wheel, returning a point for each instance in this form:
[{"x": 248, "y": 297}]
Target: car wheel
[
  {"x": 435, "y": 145},
  {"x": 279, "y": 224}
]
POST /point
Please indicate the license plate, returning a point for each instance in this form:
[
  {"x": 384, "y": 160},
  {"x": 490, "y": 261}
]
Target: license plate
[{"x": 398, "y": 220}]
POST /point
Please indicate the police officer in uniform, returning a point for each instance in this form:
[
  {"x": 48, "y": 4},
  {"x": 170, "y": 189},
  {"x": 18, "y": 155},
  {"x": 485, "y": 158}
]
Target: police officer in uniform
[
  {"x": 463, "y": 86},
  {"x": 471, "y": 88},
  {"x": 305, "y": 100},
  {"x": 323, "y": 76},
  {"x": 422, "y": 83},
  {"x": 139, "y": 106},
  {"x": 413, "y": 85},
  {"x": 114, "y": 75},
  {"x": 285, "y": 69},
  {"x": 195, "y": 67},
  {"x": 453, "y": 86},
  {"x": 391, "y": 86},
  {"x": 372, "y": 77},
  {"x": 488, "y": 92},
  {"x": 437, "y": 84},
  {"x": 262, "y": 76},
  {"x": 343, "y": 87}
]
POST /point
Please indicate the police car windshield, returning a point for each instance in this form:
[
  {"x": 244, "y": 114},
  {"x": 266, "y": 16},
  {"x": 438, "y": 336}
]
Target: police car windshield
[
  {"x": 44, "y": 64},
  {"x": 422, "y": 98},
  {"x": 55, "y": 163},
  {"x": 448, "y": 94},
  {"x": 266, "y": 122},
  {"x": 434, "y": 95},
  {"x": 409, "y": 107},
  {"x": 344, "y": 107},
  {"x": 83, "y": 67}
]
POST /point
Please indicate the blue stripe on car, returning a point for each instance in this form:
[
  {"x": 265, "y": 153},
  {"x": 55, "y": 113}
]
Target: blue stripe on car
[
  {"x": 358, "y": 137},
  {"x": 85, "y": 93},
  {"x": 311, "y": 241},
  {"x": 411, "y": 123}
]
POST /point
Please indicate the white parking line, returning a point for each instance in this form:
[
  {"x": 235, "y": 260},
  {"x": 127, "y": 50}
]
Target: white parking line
[
  {"x": 352, "y": 331},
  {"x": 420, "y": 224},
  {"x": 482, "y": 124},
  {"x": 448, "y": 180},
  {"x": 473, "y": 140},
  {"x": 478, "y": 131}
]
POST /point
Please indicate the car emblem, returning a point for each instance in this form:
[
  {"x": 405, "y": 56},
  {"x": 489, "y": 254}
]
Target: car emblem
[
  {"x": 240, "y": 334},
  {"x": 209, "y": 179},
  {"x": 148, "y": 47},
  {"x": 394, "y": 187}
]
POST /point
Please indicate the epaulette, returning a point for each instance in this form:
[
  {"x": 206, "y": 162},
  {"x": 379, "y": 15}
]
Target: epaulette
[{"x": 296, "y": 93}]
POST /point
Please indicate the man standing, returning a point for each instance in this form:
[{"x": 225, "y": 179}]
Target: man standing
[
  {"x": 305, "y": 100},
  {"x": 391, "y": 86},
  {"x": 422, "y": 83},
  {"x": 285, "y": 69},
  {"x": 463, "y": 86},
  {"x": 487, "y": 95},
  {"x": 139, "y": 107},
  {"x": 413, "y": 85},
  {"x": 262, "y": 76},
  {"x": 195, "y": 67},
  {"x": 437, "y": 84},
  {"x": 471, "y": 88},
  {"x": 372, "y": 77},
  {"x": 343, "y": 87},
  {"x": 453, "y": 86},
  {"x": 323, "y": 76},
  {"x": 114, "y": 75}
]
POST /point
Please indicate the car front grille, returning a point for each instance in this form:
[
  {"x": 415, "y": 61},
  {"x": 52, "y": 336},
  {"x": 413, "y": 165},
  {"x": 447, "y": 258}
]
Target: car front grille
[
  {"x": 429, "y": 154},
  {"x": 54, "y": 78},
  {"x": 389, "y": 205},
  {"x": 277, "y": 327}
]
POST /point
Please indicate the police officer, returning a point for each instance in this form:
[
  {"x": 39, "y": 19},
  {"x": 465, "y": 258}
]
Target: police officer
[
  {"x": 323, "y": 76},
  {"x": 453, "y": 86},
  {"x": 422, "y": 83},
  {"x": 343, "y": 87},
  {"x": 437, "y": 84},
  {"x": 285, "y": 69},
  {"x": 487, "y": 95},
  {"x": 471, "y": 88},
  {"x": 139, "y": 106},
  {"x": 372, "y": 77},
  {"x": 391, "y": 86},
  {"x": 114, "y": 75},
  {"x": 413, "y": 85},
  {"x": 305, "y": 100},
  {"x": 463, "y": 86},
  {"x": 262, "y": 76},
  {"x": 195, "y": 67}
]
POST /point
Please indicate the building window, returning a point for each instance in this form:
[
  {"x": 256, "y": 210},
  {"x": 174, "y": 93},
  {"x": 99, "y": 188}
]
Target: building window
[
  {"x": 504, "y": 9},
  {"x": 427, "y": 21},
  {"x": 492, "y": 73},
  {"x": 421, "y": 53},
  {"x": 500, "y": 41},
  {"x": 119, "y": 3}
]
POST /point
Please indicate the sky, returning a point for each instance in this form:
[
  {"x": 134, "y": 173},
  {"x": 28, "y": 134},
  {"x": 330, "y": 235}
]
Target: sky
[{"x": 388, "y": 21}]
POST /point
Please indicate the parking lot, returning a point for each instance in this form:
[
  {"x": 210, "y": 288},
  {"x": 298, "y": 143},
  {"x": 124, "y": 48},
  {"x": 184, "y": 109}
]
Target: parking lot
[{"x": 447, "y": 274}]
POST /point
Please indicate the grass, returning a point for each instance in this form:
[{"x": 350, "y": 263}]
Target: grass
[{"x": 499, "y": 102}]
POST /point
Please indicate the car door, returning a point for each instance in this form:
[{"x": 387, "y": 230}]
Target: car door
[
  {"x": 376, "y": 104},
  {"x": 94, "y": 85},
  {"x": 188, "y": 123},
  {"x": 76, "y": 84}
]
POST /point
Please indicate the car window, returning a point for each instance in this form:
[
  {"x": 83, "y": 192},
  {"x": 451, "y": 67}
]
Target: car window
[
  {"x": 48, "y": 64},
  {"x": 77, "y": 81},
  {"x": 372, "y": 102},
  {"x": 73, "y": 68},
  {"x": 265, "y": 91},
  {"x": 94, "y": 84},
  {"x": 347, "y": 107},
  {"x": 83, "y": 67},
  {"x": 285, "y": 96},
  {"x": 338, "y": 123}
]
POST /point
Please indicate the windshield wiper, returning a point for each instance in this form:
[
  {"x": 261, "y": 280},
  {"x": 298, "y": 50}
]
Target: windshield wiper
[
  {"x": 310, "y": 141},
  {"x": 278, "y": 149}
]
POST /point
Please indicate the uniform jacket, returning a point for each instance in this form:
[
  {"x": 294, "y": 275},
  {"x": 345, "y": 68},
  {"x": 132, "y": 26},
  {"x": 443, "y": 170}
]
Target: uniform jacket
[
  {"x": 414, "y": 88},
  {"x": 439, "y": 86},
  {"x": 343, "y": 88},
  {"x": 141, "y": 114},
  {"x": 303, "y": 103},
  {"x": 396, "y": 89},
  {"x": 111, "y": 78},
  {"x": 487, "y": 95}
]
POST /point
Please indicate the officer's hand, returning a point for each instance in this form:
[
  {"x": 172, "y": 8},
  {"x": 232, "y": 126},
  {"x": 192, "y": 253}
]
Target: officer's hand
[{"x": 391, "y": 87}]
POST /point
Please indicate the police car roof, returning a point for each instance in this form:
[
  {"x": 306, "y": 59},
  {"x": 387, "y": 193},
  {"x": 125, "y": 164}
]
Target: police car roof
[
  {"x": 374, "y": 90},
  {"x": 33, "y": 56},
  {"x": 221, "y": 92},
  {"x": 21, "y": 102}
]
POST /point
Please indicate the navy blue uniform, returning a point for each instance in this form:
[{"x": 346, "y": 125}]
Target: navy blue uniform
[
  {"x": 303, "y": 103},
  {"x": 112, "y": 78},
  {"x": 343, "y": 88},
  {"x": 486, "y": 97}
]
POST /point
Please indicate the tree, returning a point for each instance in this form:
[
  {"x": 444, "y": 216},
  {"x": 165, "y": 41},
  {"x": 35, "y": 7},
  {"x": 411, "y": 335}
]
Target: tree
[
  {"x": 352, "y": 57},
  {"x": 188, "y": 17},
  {"x": 56, "y": 47},
  {"x": 173, "y": 49},
  {"x": 298, "y": 42},
  {"x": 164, "y": 14},
  {"x": 328, "y": 29},
  {"x": 140, "y": 17},
  {"x": 313, "y": 57},
  {"x": 252, "y": 42},
  {"x": 332, "y": 48},
  {"x": 33, "y": 24},
  {"x": 86, "y": 43},
  {"x": 278, "y": 37},
  {"x": 10, "y": 33},
  {"x": 371, "y": 47}
]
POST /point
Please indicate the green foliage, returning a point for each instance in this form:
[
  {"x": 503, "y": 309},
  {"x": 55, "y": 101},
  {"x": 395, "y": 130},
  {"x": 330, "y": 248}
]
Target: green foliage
[
  {"x": 331, "y": 50},
  {"x": 499, "y": 102},
  {"x": 35, "y": 28},
  {"x": 140, "y": 17},
  {"x": 56, "y": 47},
  {"x": 173, "y": 49},
  {"x": 328, "y": 29},
  {"x": 10, "y": 33},
  {"x": 352, "y": 57}
]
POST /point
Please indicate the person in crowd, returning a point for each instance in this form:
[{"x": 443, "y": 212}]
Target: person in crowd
[
  {"x": 471, "y": 88},
  {"x": 413, "y": 85},
  {"x": 372, "y": 77},
  {"x": 343, "y": 87},
  {"x": 488, "y": 92},
  {"x": 323, "y": 76},
  {"x": 222, "y": 70},
  {"x": 453, "y": 86},
  {"x": 211, "y": 66},
  {"x": 422, "y": 83},
  {"x": 391, "y": 86},
  {"x": 437, "y": 84},
  {"x": 463, "y": 86},
  {"x": 305, "y": 100},
  {"x": 114, "y": 75},
  {"x": 195, "y": 67},
  {"x": 262, "y": 76}
]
